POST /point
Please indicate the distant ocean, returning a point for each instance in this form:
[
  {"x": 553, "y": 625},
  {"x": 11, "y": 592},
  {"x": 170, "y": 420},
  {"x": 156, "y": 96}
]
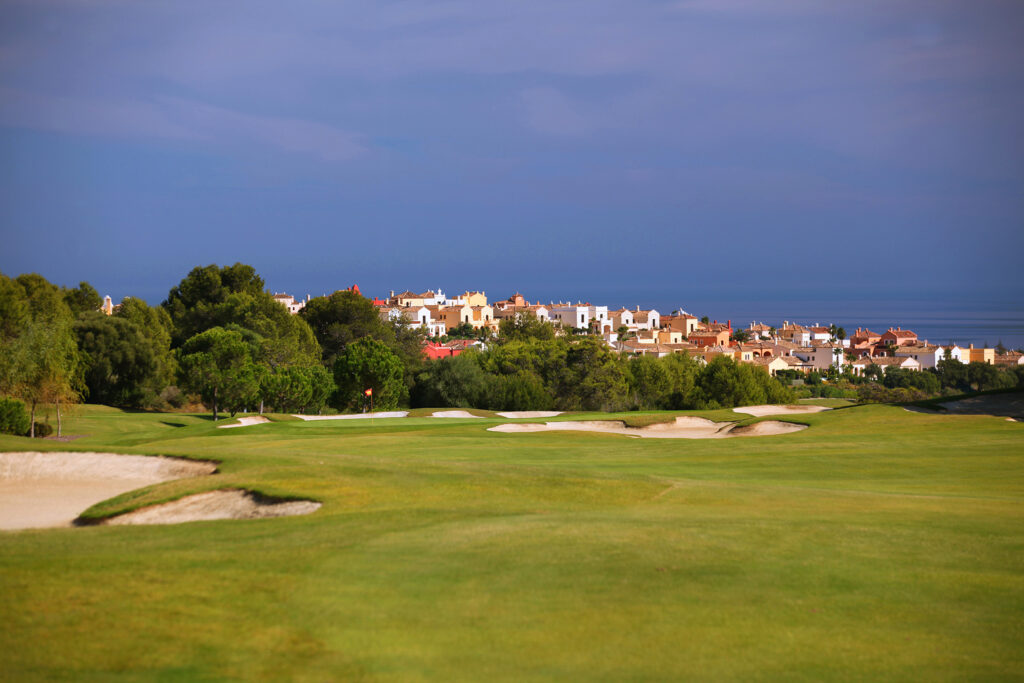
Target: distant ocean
[{"x": 940, "y": 323}]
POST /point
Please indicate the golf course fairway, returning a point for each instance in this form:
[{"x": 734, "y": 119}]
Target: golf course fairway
[{"x": 877, "y": 544}]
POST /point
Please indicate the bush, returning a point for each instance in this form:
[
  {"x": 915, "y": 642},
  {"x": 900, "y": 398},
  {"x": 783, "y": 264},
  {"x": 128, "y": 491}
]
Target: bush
[
  {"x": 13, "y": 418},
  {"x": 43, "y": 430}
]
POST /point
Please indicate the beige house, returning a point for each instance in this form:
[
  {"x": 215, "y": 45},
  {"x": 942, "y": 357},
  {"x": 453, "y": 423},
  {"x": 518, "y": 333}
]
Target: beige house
[
  {"x": 477, "y": 316},
  {"x": 684, "y": 324},
  {"x": 770, "y": 363}
]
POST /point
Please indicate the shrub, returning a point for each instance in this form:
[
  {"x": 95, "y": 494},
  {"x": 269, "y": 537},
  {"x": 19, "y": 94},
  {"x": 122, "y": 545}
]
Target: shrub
[
  {"x": 43, "y": 430},
  {"x": 13, "y": 418}
]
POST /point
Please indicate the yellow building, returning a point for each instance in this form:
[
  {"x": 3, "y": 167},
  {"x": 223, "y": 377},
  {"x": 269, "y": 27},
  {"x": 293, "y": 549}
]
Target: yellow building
[
  {"x": 981, "y": 355},
  {"x": 475, "y": 299}
]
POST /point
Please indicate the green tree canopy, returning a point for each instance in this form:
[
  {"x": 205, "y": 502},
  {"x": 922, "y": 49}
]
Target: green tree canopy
[
  {"x": 83, "y": 299},
  {"x": 369, "y": 364},
  {"x": 121, "y": 366},
  {"x": 341, "y": 319},
  {"x": 217, "y": 364},
  {"x": 523, "y": 326}
]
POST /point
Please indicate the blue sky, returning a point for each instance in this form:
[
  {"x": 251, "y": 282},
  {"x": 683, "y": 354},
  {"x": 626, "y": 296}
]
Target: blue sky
[{"x": 634, "y": 151}]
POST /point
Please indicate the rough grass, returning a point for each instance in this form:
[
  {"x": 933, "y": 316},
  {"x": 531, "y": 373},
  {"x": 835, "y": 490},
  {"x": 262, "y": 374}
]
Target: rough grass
[{"x": 878, "y": 544}]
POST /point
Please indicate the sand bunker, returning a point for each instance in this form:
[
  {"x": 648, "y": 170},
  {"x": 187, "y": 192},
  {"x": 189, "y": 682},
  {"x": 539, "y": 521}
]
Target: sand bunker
[
  {"x": 761, "y": 411},
  {"x": 681, "y": 428},
  {"x": 767, "y": 428},
  {"x": 453, "y": 413},
  {"x": 529, "y": 413},
  {"x": 359, "y": 416},
  {"x": 52, "y": 489},
  {"x": 246, "y": 421},
  {"x": 228, "y": 504}
]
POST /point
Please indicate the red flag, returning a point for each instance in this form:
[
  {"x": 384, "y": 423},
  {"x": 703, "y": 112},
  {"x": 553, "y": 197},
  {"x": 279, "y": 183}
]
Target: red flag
[{"x": 368, "y": 392}]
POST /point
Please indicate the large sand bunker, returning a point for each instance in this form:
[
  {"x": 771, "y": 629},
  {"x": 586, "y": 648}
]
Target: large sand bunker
[
  {"x": 682, "y": 428},
  {"x": 226, "y": 504},
  {"x": 52, "y": 489},
  {"x": 534, "y": 414},
  {"x": 452, "y": 413},
  {"x": 761, "y": 411},
  {"x": 359, "y": 416},
  {"x": 246, "y": 421}
]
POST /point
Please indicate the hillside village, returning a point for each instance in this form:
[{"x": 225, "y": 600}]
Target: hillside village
[{"x": 647, "y": 332}]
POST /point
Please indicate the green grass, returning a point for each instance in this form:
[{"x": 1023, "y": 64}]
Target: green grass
[
  {"x": 827, "y": 402},
  {"x": 878, "y": 544}
]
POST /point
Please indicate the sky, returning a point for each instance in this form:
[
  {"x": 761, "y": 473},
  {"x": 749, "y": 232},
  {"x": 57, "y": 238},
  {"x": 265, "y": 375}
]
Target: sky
[{"x": 659, "y": 153}]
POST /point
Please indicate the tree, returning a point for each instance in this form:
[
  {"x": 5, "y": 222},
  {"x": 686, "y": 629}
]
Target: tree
[
  {"x": 683, "y": 372},
  {"x": 524, "y": 325},
  {"x": 217, "y": 364},
  {"x": 216, "y": 297},
  {"x": 725, "y": 383},
  {"x": 594, "y": 377},
  {"x": 456, "y": 381},
  {"x": 120, "y": 365},
  {"x": 40, "y": 361},
  {"x": 154, "y": 324},
  {"x": 369, "y": 364},
  {"x": 341, "y": 319},
  {"x": 83, "y": 299},
  {"x": 649, "y": 382}
]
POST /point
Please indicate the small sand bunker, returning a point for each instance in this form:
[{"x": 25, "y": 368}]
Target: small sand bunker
[
  {"x": 534, "y": 414},
  {"x": 52, "y": 489},
  {"x": 228, "y": 504},
  {"x": 767, "y": 428},
  {"x": 452, "y": 413},
  {"x": 360, "y": 416},
  {"x": 681, "y": 428},
  {"x": 761, "y": 411},
  {"x": 246, "y": 421}
]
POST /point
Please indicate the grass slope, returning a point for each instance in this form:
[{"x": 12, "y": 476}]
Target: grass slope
[{"x": 878, "y": 544}]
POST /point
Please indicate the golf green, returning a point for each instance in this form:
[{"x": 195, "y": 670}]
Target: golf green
[{"x": 876, "y": 544}]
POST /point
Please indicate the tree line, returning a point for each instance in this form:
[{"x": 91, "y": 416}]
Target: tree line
[{"x": 221, "y": 339}]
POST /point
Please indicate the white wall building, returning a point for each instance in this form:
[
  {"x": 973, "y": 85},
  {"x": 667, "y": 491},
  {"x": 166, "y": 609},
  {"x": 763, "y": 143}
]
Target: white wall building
[
  {"x": 570, "y": 315},
  {"x": 821, "y": 356}
]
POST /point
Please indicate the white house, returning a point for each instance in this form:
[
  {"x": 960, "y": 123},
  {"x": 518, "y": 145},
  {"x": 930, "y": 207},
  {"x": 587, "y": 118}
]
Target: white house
[
  {"x": 289, "y": 302},
  {"x": 570, "y": 315},
  {"x": 622, "y": 317},
  {"x": 794, "y": 333},
  {"x": 822, "y": 355},
  {"x": 959, "y": 353},
  {"x": 599, "y": 315},
  {"x": 905, "y": 363},
  {"x": 646, "y": 320},
  {"x": 927, "y": 356}
]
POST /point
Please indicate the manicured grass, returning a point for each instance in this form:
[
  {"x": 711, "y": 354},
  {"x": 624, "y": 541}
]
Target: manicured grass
[
  {"x": 827, "y": 402},
  {"x": 877, "y": 544}
]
